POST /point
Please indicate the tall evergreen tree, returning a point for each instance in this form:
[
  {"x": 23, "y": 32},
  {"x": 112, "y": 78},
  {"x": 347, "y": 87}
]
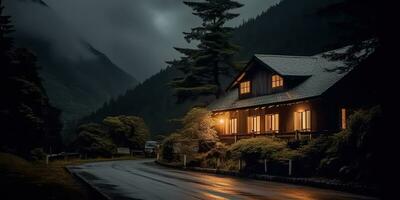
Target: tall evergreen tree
[
  {"x": 203, "y": 66},
  {"x": 5, "y": 40},
  {"x": 27, "y": 119}
]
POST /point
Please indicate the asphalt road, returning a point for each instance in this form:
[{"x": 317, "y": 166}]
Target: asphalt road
[{"x": 143, "y": 179}]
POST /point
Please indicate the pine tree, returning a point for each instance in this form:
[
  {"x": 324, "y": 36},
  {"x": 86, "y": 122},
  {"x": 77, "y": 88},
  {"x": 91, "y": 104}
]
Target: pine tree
[
  {"x": 27, "y": 119},
  {"x": 5, "y": 41},
  {"x": 203, "y": 66}
]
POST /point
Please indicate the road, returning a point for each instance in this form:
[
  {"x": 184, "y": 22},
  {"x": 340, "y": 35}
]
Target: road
[{"x": 143, "y": 179}]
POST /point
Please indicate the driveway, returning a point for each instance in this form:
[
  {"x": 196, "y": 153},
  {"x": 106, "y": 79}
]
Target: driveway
[{"x": 143, "y": 179}]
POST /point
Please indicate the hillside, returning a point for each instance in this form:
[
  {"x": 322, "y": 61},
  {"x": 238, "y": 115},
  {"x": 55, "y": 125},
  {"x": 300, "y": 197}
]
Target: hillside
[
  {"x": 298, "y": 27},
  {"x": 77, "y": 77},
  {"x": 294, "y": 27}
]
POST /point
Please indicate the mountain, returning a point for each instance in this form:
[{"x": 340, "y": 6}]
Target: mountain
[
  {"x": 294, "y": 27},
  {"x": 77, "y": 77},
  {"x": 300, "y": 27}
]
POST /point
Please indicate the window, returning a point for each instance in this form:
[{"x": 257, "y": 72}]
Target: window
[
  {"x": 253, "y": 124},
  {"x": 343, "y": 118},
  {"x": 272, "y": 123},
  {"x": 277, "y": 81},
  {"x": 302, "y": 121},
  {"x": 245, "y": 87},
  {"x": 233, "y": 126}
]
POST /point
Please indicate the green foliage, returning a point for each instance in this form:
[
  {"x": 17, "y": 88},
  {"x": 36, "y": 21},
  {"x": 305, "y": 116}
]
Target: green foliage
[
  {"x": 197, "y": 132},
  {"x": 167, "y": 147},
  {"x": 94, "y": 140},
  {"x": 351, "y": 154},
  {"x": 38, "y": 154},
  {"x": 27, "y": 118},
  {"x": 127, "y": 131},
  {"x": 254, "y": 149},
  {"x": 203, "y": 66},
  {"x": 354, "y": 151},
  {"x": 199, "y": 125},
  {"x": 118, "y": 131}
]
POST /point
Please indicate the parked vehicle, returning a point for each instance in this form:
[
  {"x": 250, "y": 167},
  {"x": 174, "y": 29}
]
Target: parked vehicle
[{"x": 151, "y": 148}]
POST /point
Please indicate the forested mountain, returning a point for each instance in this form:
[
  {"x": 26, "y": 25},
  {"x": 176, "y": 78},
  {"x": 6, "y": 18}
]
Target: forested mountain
[
  {"x": 300, "y": 27},
  {"x": 295, "y": 27},
  {"x": 77, "y": 77}
]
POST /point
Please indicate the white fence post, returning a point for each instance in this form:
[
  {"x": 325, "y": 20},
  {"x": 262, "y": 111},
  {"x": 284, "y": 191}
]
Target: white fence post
[
  {"x": 290, "y": 167},
  {"x": 184, "y": 161},
  {"x": 47, "y": 159},
  {"x": 158, "y": 155}
]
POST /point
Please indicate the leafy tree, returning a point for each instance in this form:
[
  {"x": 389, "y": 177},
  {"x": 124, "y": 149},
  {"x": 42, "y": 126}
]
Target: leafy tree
[
  {"x": 127, "y": 131},
  {"x": 94, "y": 140},
  {"x": 197, "y": 132},
  {"x": 203, "y": 66},
  {"x": 27, "y": 118}
]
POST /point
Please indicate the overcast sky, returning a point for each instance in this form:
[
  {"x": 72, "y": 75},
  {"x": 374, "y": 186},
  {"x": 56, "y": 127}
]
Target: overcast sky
[{"x": 138, "y": 35}]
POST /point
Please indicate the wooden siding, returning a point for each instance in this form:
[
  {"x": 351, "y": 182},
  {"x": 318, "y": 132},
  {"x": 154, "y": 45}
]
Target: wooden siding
[
  {"x": 261, "y": 82},
  {"x": 324, "y": 116}
]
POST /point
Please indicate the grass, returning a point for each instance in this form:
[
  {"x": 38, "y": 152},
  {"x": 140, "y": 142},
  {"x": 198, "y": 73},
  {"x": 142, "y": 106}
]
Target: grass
[{"x": 20, "y": 179}]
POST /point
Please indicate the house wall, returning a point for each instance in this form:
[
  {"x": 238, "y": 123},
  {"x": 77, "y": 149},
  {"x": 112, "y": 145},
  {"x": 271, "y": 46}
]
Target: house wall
[{"x": 325, "y": 116}]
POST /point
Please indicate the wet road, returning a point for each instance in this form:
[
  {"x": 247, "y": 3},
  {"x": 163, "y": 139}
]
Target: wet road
[{"x": 143, "y": 179}]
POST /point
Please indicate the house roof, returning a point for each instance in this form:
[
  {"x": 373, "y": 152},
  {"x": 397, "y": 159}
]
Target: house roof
[{"x": 315, "y": 67}]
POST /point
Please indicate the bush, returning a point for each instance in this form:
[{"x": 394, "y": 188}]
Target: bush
[
  {"x": 350, "y": 154},
  {"x": 252, "y": 150},
  {"x": 167, "y": 147},
  {"x": 38, "y": 154},
  {"x": 353, "y": 153}
]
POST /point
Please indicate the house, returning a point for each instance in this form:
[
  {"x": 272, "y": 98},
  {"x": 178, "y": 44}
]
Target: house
[{"x": 287, "y": 96}]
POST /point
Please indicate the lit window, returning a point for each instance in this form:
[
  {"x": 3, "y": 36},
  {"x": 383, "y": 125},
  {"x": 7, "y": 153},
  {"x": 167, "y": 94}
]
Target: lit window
[
  {"x": 245, "y": 87},
  {"x": 302, "y": 121},
  {"x": 233, "y": 126},
  {"x": 344, "y": 118},
  {"x": 253, "y": 124},
  {"x": 277, "y": 81},
  {"x": 272, "y": 123}
]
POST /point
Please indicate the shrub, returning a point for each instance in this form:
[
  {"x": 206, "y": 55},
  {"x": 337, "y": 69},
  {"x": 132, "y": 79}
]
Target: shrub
[
  {"x": 167, "y": 147},
  {"x": 350, "y": 154},
  {"x": 353, "y": 152},
  {"x": 38, "y": 154},
  {"x": 252, "y": 150}
]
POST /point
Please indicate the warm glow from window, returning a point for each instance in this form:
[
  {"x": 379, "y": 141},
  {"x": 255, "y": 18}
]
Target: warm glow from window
[
  {"x": 253, "y": 124},
  {"x": 344, "y": 118},
  {"x": 277, "y": 81},
  {"x": 233, "y": 126},
  {"x": 302, "y": 120},
  {"x": 245, "y": 87},
  {"x": 272, "y": 123},
  {"x": 221, "y": 121}
]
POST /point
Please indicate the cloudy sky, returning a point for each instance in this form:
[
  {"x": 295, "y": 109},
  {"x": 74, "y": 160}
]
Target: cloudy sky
[{"x": 138, "y": 35}]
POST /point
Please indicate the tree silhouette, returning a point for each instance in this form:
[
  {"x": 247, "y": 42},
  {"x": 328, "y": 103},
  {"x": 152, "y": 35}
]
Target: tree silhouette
[
  {"x": 203, "y": 66},
  {"x": 27, "y": 119}
]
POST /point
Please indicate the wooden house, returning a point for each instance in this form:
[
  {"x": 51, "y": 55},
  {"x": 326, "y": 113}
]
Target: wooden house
[{"x": 286, "y": 96}]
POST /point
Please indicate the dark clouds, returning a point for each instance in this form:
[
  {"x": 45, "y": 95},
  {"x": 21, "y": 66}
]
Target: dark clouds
[{"x": 138, "y": 35}]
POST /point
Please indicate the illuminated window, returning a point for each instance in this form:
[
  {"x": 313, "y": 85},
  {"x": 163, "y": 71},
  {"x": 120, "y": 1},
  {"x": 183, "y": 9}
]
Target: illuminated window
[
  {"x": 253, "y": 124},
  {"x": 344, "y": 118},
  {"x": 272, "y": 123},
  {"x": 233, "y": 126},
  {"x": 302, "y": 121},
  {"x": 245, "y": 87},
  {"x": 277, "y": 81}
]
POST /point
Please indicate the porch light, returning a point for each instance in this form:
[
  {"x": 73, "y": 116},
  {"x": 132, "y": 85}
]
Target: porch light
[{"x": 221, "y": 121}]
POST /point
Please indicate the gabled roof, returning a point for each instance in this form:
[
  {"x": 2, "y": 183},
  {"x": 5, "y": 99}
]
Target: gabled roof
[{"x": 319, "y": 81}]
